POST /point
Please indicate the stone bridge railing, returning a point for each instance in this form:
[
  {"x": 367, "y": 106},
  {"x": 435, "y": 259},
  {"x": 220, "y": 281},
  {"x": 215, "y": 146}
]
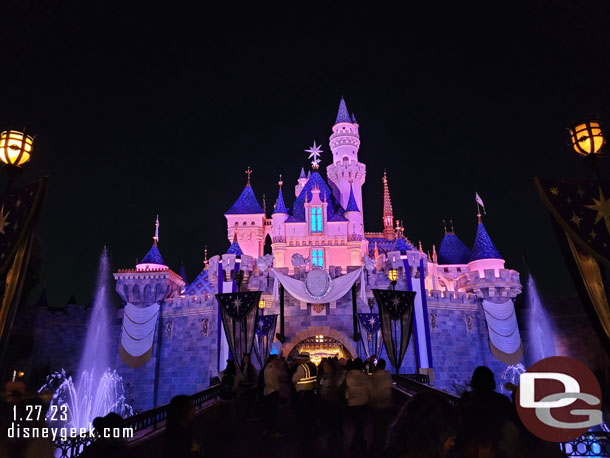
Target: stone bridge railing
[
  {"x": 138, "y": 424},
  {"x": 591, "y": 444}
]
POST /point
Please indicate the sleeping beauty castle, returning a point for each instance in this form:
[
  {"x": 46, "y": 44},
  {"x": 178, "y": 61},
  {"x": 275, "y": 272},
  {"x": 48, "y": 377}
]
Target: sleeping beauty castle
[{"x": 311, "y": 278}]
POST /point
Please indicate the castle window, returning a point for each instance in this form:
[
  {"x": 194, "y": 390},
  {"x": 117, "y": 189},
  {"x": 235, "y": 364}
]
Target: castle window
[
  {"x": 317, "y": 258},
  {"x": 316, "y": 219}
]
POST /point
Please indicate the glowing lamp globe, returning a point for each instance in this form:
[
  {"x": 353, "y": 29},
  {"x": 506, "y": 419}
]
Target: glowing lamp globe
[
  {"x": 587, "y": 138},
  {"x": 262, "y": 304},
  {"x": 15, "y": 147},
  {"x": 393, "y": 275}
]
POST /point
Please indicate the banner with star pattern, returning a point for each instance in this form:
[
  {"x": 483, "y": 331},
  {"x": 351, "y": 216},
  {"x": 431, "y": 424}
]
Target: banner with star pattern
[
  {"x": 371, "y": 339},
  {"x": 396, "y": 317},
  {"x": 265, "y": 330},
  {"x": 581, "y": 210},
  {"x": 239, "y": 317},
  {"x": 19, "y": 212}
]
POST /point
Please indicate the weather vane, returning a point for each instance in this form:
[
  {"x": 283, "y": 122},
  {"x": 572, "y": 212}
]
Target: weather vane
[{"x": 314, "y": 152}]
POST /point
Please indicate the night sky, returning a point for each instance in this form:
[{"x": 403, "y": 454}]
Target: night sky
[{"x": 139, "y": 111}]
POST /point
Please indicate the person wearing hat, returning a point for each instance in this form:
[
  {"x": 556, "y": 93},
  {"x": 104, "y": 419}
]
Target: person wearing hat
[{"x": 304, "y": 381}]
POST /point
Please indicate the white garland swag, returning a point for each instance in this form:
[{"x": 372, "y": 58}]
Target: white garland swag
[
  {"x": 139, "y": 328},
  {"x": 502, "y": 325},
  {"x": 340, "y": 286}
]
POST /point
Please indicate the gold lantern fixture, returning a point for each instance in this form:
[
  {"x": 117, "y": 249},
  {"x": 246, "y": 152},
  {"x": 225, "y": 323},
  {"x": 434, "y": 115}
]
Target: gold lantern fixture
[
  {"x": 15, "y": 147},
  {"x": 587, "y": 138},
  {"x": 393, "y": 276},
  {"x": 262, "y": 304}
]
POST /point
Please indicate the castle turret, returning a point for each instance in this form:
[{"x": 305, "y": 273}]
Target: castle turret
[
  {"x": 484, "y": 253},
  {"x": 453, "y": 250},
  {"x": 301, "y": 182},
  {"x": 151, "y": 281},
  {"x": 278, "y": 228},
  {"x": 388, "y": 213},
  {"x": 355, "y": 231},
  {"x": 345, "y": 169},
  {"x": 496, "y": 288},
  {"x": 247, "y": 218}
]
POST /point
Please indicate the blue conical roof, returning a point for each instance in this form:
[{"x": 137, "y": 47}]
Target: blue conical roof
[
  {"x": 153, "y": 257},
  {"x": 483, "y": 247},
  {"x": 343, "y": 114},
  {"x": 279, "y": 205},
  {"x": 302, "y": 175},
  {"x": 453, "y": 250},
  {"x": 235, "y": 249},
  {"x": 352, "y": 206},
  {"x": 182, "y": 273},
  {"x": 354, "y": 118},
  {"x": 334, "y": 210},
  {"x": 245, "y": 204}
]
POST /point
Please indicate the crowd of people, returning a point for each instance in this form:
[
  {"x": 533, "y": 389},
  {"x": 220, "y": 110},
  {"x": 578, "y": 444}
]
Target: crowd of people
[{"x": 346, "y": 408}]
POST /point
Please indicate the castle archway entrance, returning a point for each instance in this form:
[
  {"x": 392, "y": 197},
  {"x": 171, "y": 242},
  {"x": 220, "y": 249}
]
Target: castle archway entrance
[{"x": 319, "y": 347}]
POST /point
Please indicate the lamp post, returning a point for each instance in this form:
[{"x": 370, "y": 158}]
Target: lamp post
[
  {"x": 261, "y": 305},
  {"x": 393, "y": 276},
  {"x": 588, "y": 141},
  {"x": 15, "y": 150}
]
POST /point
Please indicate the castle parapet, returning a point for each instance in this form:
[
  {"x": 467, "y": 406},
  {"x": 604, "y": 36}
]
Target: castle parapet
[
  {"x": 145, "y": 287},
  {"x": 505, "y": 285}
]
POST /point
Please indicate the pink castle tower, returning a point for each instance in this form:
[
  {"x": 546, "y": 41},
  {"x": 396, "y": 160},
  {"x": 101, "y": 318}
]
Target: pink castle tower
[
  {"x": 346, "y": 172},
  {"x": 246, "y": 219}
]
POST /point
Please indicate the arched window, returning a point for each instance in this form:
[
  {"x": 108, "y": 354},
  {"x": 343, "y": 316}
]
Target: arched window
[{"x": 316, "y": 219}]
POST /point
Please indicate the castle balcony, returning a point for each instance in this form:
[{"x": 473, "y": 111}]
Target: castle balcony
[{"x": 344, "y": 138}]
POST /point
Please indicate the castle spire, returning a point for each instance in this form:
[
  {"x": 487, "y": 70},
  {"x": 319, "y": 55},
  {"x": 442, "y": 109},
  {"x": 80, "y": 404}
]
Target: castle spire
[
  {"x": 280, "y": 207},
  {"x": 248, "y": 172},
  {"x": 342, "y": 113},
  {"x": 388, "y": 213},
  {"x": 156, "y": 236},
  {"x": 483, "y": 247}
]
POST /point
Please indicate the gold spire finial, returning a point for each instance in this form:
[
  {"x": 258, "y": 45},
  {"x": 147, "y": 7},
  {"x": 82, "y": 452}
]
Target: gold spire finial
[
  {"x": 156, "y": 236},
  {"x": 248, "y": 172},
  {"x": 205, "y": 256},
  {"x": 280, "y": 182}
]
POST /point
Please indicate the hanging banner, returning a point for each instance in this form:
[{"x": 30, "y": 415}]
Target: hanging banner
[
  {"x": 138, "y": 334},
  {"x": 239, "y": 316},
  {"x": 580, "y": 212},
  {"x": 396, "y": 317},
  {"x": 372, "y": 340},
  {"x": 19, "y": 213},
  {"x": 265, "y": 330},
  {"x": 318, "y": 287}
]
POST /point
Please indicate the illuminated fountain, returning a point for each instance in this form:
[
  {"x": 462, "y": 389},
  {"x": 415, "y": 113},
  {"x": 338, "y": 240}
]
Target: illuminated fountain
[
  {"x": 540, "y": 342},
  {"x": 99, "y": 389}
]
